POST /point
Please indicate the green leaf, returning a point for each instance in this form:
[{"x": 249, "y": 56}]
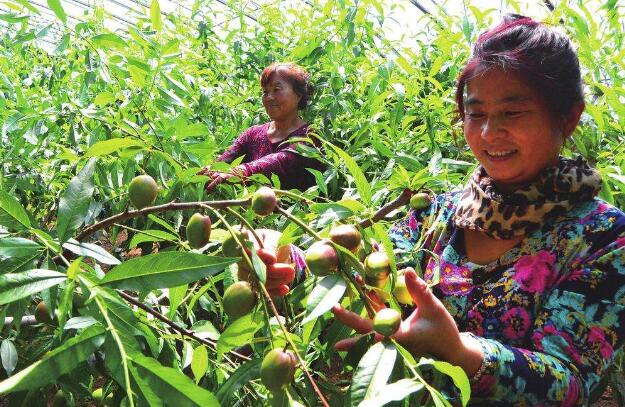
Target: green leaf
[
  {"x": 8, "y": 354},
  {"x": 79, "y": 322},
  {"x": 15, "y": 286},
  {"x": 199, "y": 363},
  {"x": 393, "y": 392},
  {"x": 173, "y": 387},
  {"x": 176, "y": 296},
  {"x": 18, "y": 247},
  {"x": 58, "y": 362},
  {"x": 55, "y": 6},
  {"x": 326, "y": 294},
  {"x": 75, "y": 202},
  {"x": 12, "y": 215},
  {"x": 164, "y": 270},
  {"x": 362, "y": 185},
  {"x": 107, "y": 147},
  {"x": 372, "y": 372},
  {"x": 259, "y": 267},
  {"x": 247, "y": 372},
  {"x": 108, "y": 41},
  {"x": 155, "y": 15},
  {"x": 456, "y": 373},
  {"x": 91, "y": 250},
  {"x": 239, "y": 333},
  {"x": 153, "y": 235}
]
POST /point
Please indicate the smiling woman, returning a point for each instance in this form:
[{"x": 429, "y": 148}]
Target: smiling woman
[{"x": 266, "y": 148}]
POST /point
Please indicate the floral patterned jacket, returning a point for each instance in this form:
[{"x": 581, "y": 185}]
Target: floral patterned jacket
[{"x": 550, "y": 313}]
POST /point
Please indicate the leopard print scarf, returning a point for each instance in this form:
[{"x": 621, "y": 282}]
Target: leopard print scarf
[{"x": 505, "y": 215}]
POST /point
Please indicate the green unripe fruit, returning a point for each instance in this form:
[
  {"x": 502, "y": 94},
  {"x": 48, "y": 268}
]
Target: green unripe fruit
[
  {"x": 401, "y": 291},
  {"x": 42, "y": 315},
  {"x": 277, "y": 369},
  {"x": 239, "y": 299},
  {"x": 59, "y": 399},
  {"x": 420, "y": 201},
  {"x": 198, "y": 230},
  {"x": 230, "y": 247},
  {"x": 347, "y": 236},
  {"x": 322, "y": 259},
  {"x": 142, "y": 191},
  {"x": 386, "y": 322},
  {"x": 97, "y": 396},
  {"x": 377, "y": 269},
  {"x": 264, "y": 201}
]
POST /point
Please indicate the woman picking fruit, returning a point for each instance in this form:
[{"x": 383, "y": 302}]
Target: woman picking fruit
[
  {"x": 531, "y": 263},
  {"x": 266, "y": 148}
]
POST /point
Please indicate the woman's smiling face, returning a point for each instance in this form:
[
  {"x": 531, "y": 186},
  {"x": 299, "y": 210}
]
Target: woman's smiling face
[{"x": 510, "y": 128}]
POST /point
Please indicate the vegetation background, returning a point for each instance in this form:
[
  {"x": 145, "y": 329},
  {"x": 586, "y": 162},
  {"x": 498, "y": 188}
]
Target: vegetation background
[{"x": 164, "y": 97}]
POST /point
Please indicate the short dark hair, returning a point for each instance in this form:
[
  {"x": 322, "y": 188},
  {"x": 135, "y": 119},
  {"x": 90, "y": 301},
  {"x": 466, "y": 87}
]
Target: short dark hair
[
  {"x": 297, "y": 77},
  {"x": 543, "y": 57}
]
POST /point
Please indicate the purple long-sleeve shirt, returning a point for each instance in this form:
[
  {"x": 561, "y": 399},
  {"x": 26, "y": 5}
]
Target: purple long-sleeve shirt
[{"x": 261, "y": 156}]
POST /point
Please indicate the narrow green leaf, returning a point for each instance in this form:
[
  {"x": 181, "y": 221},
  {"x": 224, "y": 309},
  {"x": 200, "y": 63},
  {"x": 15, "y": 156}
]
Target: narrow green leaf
[
  {"x": 164, "y": 270},
  {"x": 108, "y": 41},
  {"x": 57, "y": 8},
  {"x": 173, "y": 387},
  {"x": 176, "y": 296},
  {"x": 107, "y": 147},
  {"x": 15, "y": 286},
  {"x": 18, "y": 247},
  {"x": 12, "y": 215},
  {"x": 155, "y": 15},
  {"x": 372, "y": 372},
  {"x": 362, "y": 185},
  {"x": 239, "y": 333},
  {"x": 247, "y": 372},
  {"x": 456, "y": 373},
  {"x": 91, "y": 250},
  {"x": 75, "y": 202},
  {"x": 57, "y": 362},
  {"x": 79, "y": 322},
  {"x": 393, "y": 392},
  {"x": 153, "y": 235},
  {"x": 326, "y": 294},
  {"x": 199, "y": 363}
]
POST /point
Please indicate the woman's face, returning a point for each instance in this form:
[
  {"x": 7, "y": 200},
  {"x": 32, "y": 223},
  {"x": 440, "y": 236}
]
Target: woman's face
[
  {"x": 279, "y": 98},
  {"x": 509, "y": 128}
]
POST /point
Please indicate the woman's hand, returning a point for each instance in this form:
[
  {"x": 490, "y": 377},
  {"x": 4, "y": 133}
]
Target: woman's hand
[
  {"x": 280, "y": 271},
  {"x": 429, "y": 330}
]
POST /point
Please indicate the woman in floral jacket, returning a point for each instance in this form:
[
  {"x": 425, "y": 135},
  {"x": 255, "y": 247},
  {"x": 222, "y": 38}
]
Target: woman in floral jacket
[{"x": 523, "y": 282}]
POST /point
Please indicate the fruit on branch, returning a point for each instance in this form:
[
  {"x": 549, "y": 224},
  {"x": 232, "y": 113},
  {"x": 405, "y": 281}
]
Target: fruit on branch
[
  {"x": 198, "y": 230},
  {"x": 230, "y": 247},
  {"x": 347, "y": 236},
  {"x": 142, "y": 191},
  {"x": 322, "y": 259},
  {"x": 377, "y": 269},
  {"x": 277, "y": 369},
  {"x": 386, "y": 322},
  {"x": 400, "y": 291},
  {"x": 239, "y": 299},
  {"x": 42, "y": 314},
  {"x": 264, "y": 201},
  {"x": 420, "y": 201},
  {"x": 59, "y": 399},
  {"x": 100, "y": 400}
]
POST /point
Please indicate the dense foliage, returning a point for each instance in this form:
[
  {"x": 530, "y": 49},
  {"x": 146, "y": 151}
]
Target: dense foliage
[{"x": 82, "y": 118}]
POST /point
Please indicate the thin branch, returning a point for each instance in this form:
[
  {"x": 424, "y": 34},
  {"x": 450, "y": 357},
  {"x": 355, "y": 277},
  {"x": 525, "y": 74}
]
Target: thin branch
[
  {"x": 172, "y": 324},
  {"x": 400, "y": 201},
  {"x": 172, "y": 206}
]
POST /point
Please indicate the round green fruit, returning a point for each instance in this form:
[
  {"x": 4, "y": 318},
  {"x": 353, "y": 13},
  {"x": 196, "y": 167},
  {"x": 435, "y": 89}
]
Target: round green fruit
[
  {"x": 420, "y": 201},
  {"x": 277, "y": 369},
  {"x": 322, "y": 259},
  {"x": 347, "y": 236},
  {"x": 239, "y": 299},
  {"x": 230, "y": 247},
  {"x": 42, "y": 314},
  {"x": 401, "y": 291},
  {"x": 198, "y": 230},
  {"x": 386, "y": 322},
  {"x": 142, "y": 191},
  {"x": 59, "y": 399},
  {"x": 97, "y": 396},
  {"x": 377, "y": 269},
  {"x": 264, "y": 201}
]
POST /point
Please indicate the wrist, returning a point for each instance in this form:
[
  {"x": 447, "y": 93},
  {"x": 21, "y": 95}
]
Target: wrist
[{"x": 469, "y": 356}]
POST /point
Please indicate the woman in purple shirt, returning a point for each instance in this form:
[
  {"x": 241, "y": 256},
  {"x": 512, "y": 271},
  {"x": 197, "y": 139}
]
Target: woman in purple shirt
[{"x": 266, "y": 148}]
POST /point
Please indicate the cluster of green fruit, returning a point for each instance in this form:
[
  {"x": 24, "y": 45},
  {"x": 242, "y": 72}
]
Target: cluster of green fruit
[{"x": 99, "y": 400}]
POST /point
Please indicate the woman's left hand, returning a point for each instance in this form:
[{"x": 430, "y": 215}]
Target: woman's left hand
[{"x": 429, "y": 330}]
